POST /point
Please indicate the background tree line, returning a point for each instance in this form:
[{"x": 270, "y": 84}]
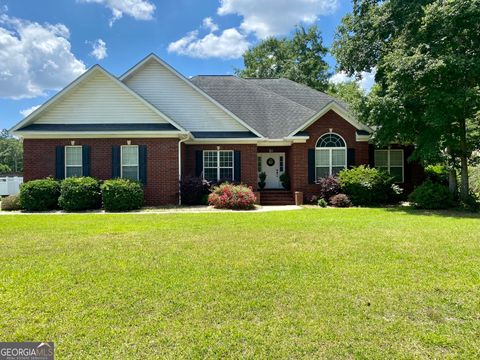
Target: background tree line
[{"x": 11, "y": 153}]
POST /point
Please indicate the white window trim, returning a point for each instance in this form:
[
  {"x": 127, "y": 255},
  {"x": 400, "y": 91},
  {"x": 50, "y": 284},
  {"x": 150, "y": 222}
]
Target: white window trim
[
  {"x": 72, "y": 166},
  {"x": 218, "y": 167},
  {"x": 388, "y": 151},
  {"x": 138, "y": 161},
  {"x": 330, "y": 164}
]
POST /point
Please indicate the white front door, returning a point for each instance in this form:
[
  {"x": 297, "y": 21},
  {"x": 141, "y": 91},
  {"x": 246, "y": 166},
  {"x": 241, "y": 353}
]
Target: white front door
[{"x": 273, "y": 165}]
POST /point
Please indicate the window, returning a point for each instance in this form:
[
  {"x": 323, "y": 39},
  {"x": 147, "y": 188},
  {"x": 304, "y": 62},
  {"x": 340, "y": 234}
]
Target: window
[
  {"x": 218, "y": 165},
  {"x": 281, "y": 165},
  {"x": 73, "y": 161},
  {"x": 259, "y": 164},
  {"x": 330, "y": 155},
  {"x": 129, "y": 161},
  {"x": 391, "y": 161}
]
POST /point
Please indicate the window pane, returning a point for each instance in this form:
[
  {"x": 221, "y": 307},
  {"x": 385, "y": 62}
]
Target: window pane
[
  {"x": 322, "y": 172},
  {"x": 338, "y": 157},
  {"x": 337, "y": 169},
  {"x": 322, "y": 158},
  {"x": 130, "y": 172},
  {"x": 73, "y": 155},
  {"x": 226, "y": 174},
  {"x": 73, "y": 171},
  {"x": 226, "y": 159},
  {"x": 259, "y": 164},
  {"x": 397, "y": 172},
  {"x": 396, "y": 157},
  {"x": 381, "y": 158},
  {"x": 210, "y": 174},
  {"x": 130, "y": 155},
  {"x": 210, "y": 159},
  {"x": 330, "y": 140},
  {"x": 281, "y": 164}
]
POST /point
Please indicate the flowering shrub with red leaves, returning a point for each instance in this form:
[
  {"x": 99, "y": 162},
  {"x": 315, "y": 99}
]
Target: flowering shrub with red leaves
[{"x": 229, "y": 196}]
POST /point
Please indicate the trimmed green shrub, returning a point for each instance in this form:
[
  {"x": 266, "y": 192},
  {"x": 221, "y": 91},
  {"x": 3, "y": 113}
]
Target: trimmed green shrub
[
  {"x": 367, "y": 186},
  {"x": 122, "y": 195},
  {"x": 40, "y": 195},
  {"x": 322, "y": 203},
  {"x": 340, "y": 200},
  {"x": 11, "y": 203},
  {"x": 431, "y": 195},
  {"x": 229, "y": 196},
  {"x": 437, "y": 174},
  {"x": 285, "y": 180},
  {"x": 80, "y": 193}
]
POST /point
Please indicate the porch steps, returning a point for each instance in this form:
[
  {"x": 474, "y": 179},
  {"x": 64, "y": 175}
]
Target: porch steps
[{"x": 276, "y": 197}]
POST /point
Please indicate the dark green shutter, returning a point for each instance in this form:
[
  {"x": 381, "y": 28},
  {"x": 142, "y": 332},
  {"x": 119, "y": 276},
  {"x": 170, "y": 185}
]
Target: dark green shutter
[
  {"x": 60, "y": 162},
  {"x": 371, "y": 155},
  {"x": 311, "y": 166},
  {"x": 237, "y": 166},
  {"x": 142, "y": 164},
  {"x": 115, "y": 161},
  {"x": 350, "y": 158},
  {"x": 86, "y": 160},
  {"x": 198, "y": 163}
]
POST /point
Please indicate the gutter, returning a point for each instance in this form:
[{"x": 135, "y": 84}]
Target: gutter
[{"x": 187, "y": 137}]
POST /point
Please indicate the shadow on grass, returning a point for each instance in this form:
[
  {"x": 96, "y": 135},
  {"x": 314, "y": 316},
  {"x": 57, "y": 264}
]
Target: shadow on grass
[{"x": 454, "y": 213}]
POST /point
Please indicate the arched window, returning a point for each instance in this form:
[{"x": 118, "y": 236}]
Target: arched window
[{"x": 330, "y": 155}]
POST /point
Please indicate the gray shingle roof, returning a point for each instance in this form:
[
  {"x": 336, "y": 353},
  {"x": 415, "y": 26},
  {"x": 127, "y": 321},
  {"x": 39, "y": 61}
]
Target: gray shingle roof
[{"x": 274, "y": 107}]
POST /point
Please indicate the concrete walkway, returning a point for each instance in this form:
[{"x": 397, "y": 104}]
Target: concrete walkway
[{"x": 171, "y": 210}]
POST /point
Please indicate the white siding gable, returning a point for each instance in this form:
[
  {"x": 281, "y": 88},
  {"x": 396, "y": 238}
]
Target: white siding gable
[
  {"x": 98, "y": 99},
  {"x": 179, "y": 101}
]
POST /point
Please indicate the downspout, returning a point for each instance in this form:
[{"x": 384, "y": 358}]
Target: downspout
[{"x": 180, "y": 167}]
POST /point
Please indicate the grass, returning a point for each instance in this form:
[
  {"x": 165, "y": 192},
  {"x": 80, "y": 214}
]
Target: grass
[{"x": 329, "y": 283}]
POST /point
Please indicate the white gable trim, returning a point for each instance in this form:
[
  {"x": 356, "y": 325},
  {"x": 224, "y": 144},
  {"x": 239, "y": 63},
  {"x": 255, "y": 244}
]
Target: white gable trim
[
  {"x": 336, "y": 108},
  {"x": 31, "y": 117},
  {"x": 189, "y": 83}
]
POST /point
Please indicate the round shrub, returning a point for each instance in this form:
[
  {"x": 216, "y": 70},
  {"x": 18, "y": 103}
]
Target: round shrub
[
  {"x": 193, "y": 190},
  {"x": 367, "y": 186},
  {"x": 121, "y": 195},
  {"x": 431, "y": 195},
  {"x": 340, "y": 200},
  {"x": 229, "y": 196},
  {"x": 11, "y": 203},
  {"x": 80, "y": 193},
  {"x": 322, "y": 203},
  {"x": 40, "y": 195},
  {"x": 328, "y": 186}
]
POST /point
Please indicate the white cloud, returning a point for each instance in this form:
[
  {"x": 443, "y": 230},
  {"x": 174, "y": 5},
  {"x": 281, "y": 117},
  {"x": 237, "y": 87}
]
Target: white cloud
[
  {"x": 28, "y": 111},
  {"x": 34, "y": 57},
  {"x": 276, "y": 17},
  {"x": 138, "y": 9},
  {"x": 99, "y": 51},
  {"x": 209, "y": 24},
  {"x": 230, "y": 44},
  {"x": 366, "y": 81}
]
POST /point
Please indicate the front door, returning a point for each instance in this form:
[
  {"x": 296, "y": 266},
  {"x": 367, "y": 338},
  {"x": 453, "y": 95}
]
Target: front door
[{"x": 273, "y": 165}]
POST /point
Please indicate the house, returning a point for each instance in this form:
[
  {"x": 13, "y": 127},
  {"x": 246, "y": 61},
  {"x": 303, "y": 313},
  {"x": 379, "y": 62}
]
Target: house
[{"x": 154, "y": 125}]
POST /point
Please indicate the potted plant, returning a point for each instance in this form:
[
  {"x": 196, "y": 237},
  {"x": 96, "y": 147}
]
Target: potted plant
[
  {"x": 262, "y": 176},
  {"x": 285, "y": 180}
]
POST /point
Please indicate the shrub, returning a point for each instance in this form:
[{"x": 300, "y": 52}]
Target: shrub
[
  {"x": 229, "y": 196},
  {"x": 312, "y": 199},
  {"x": 367, "y": 186},
  {"x": 285, "y": 180},
  {"x": 5, "y": 169},
  {"x": 262, "y": 177},
  {"x": 431, "y": 195},
  {"x": 40, "y": 195},
  {"x": 437, "y": 174},
  {"x": 329, "y": 186},
  {"x": 80, "y": 193},
  {"x": 122, "y": 195},
  {"x": 11, "y": 203},
  {"x": 471, "y": 203},
  {"x": 475, "y": 179},
  {"x": 340, "y": 200},
  {"x": 193, "y": 190},
  {"x": 322, "y": 203}
]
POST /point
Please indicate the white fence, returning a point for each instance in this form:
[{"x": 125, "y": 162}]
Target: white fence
[{"x": 10, "y": 185}]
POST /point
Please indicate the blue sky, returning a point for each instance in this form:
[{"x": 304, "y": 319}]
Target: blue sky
[{"x": 46, "y": 44}]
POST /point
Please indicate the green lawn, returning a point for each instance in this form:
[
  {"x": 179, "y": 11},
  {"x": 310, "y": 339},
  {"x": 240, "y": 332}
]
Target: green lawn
[{"x": 324, "y": 283}]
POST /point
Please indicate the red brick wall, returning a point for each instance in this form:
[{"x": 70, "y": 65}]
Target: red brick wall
[
  {"x": 162, "y": 163},
  {"x": 248, "y": 159}
]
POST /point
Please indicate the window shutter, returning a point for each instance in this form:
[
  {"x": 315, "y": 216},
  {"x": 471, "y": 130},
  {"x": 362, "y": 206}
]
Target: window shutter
[
  {"x": 142, "y": 164},
  {"x": 350, "y": 158},
  {"x": 198, "y": 163},
  {"x": 407, "y": 166},
  {"x": 60, "y": 162},
  {"x": 86, "y": 160},
  {"x": 311, "y": 166},
  {"x": 371, "y": 155},
  {"x": 237, "y": 166},
  {"x": 115, "y": 161}
]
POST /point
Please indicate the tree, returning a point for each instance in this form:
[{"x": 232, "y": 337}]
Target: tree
[
  {"x": 350, "y": 92},
  {"x": 11, "y": 151},
  {"x": 427, "y": 57},
  {"x": 299, "y": 59}
]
